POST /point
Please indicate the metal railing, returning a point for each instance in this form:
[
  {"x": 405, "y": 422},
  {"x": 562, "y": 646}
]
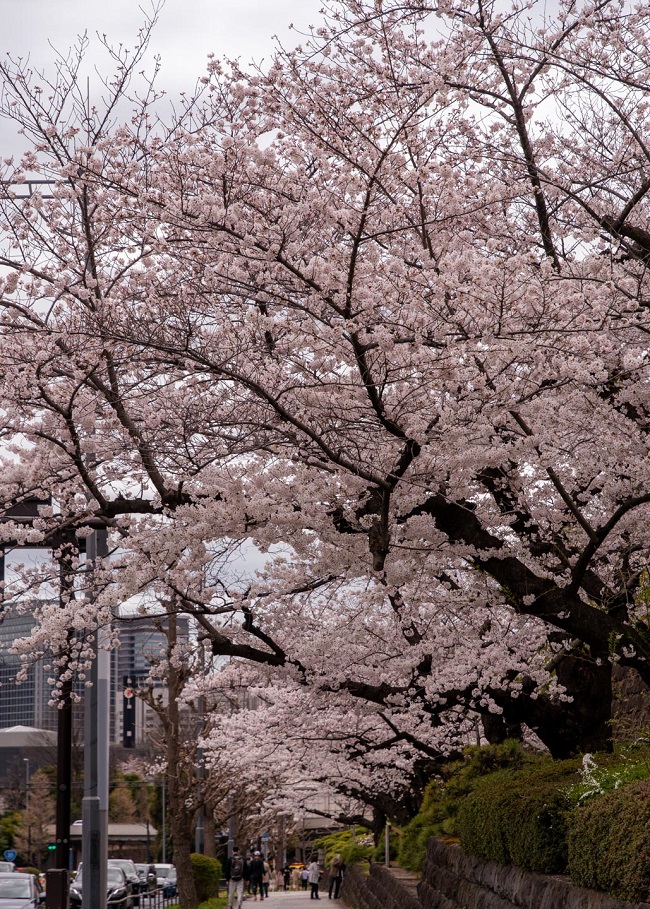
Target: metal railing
[{"x": 156, "y": 899}]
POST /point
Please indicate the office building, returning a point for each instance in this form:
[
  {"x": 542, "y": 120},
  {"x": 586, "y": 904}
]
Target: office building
[{"x": 26, "y": 703}]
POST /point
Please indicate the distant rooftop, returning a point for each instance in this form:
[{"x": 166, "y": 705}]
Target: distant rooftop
[{"x": 26, "y": 737}]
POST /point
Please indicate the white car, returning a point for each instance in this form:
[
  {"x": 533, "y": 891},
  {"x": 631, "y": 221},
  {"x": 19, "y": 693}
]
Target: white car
[{"x": 166, "y": 875}]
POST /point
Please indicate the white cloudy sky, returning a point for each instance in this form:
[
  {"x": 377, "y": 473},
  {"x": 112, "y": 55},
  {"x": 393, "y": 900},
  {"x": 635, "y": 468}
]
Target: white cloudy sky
[{"x": 186, "y": 32}]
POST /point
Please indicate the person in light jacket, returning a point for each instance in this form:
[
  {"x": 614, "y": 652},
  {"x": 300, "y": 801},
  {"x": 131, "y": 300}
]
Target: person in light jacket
[{"x": 314, "y": 877}]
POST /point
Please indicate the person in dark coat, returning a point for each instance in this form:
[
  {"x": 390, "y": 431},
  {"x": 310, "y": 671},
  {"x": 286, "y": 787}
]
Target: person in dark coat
[{"x": 256, "y": 869}]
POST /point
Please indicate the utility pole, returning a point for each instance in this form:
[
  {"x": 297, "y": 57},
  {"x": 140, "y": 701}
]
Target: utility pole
[
  {"x": 164, "y": 823},
  {"x": 94, "y": 808},
  {"x": 199, "y": 830},
  {"x": 26, "y": 760}
]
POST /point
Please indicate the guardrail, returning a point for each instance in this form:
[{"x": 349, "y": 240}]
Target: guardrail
[
  {"x": 156, "y": 899},
  {"x": 146, "y": 899}
]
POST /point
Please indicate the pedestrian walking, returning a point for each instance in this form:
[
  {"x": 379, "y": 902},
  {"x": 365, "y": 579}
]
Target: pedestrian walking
[
  {"x": 304, "y": 878},
  {"x": 266, "y": 878},
  {"x": 235, "y": 872},
  {"x": 314, "y": 877},
  {"x": 336, "y": 876},
  {"x": 257, "y": 875}
]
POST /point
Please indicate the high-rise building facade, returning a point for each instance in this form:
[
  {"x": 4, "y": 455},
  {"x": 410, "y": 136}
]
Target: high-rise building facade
[
  {"x": 26, "y": 703},
  {"x": 23, "y": 703}
]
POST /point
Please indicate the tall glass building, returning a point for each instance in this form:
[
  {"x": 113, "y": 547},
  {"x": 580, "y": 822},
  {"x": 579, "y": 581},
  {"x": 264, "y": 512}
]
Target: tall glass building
[
  {"x": 24, "y": 703},
  {"x": 27, "y": 703}
]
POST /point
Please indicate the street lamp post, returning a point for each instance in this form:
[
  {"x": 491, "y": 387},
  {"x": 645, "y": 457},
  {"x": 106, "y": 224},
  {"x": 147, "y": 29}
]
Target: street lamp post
[
  {"x": 27, "y": 818},
  {"x": 94, "y": 807},
  {"x": 26, "y": 760}
]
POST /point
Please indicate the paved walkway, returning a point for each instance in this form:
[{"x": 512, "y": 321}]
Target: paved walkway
[{"x": 293, "y": 900}]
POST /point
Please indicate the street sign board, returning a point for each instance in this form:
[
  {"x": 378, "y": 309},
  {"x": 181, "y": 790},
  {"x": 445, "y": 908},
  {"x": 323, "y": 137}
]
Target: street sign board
[{"x": 10, "y": 855}]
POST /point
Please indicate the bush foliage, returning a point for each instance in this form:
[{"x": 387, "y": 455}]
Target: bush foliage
[
  {"x": 443, "y": 797},
  {"x": 609, "y": 843},
  {"x": 354, "y": 845},
  {"x": 590, "y": 816},
  {"x": 207, "y": 874},
  {"x": 520, "y": 818}
]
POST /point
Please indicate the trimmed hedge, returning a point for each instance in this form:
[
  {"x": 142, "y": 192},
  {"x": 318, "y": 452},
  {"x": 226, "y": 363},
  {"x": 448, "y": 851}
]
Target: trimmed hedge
[
  {"x": 207, "y": 874},
  {"x": 589, "y": 817},
  {"x": 609, "y": 843},
  {"x": 443, "y": 797},
  {"x": 520, "y": 818}
]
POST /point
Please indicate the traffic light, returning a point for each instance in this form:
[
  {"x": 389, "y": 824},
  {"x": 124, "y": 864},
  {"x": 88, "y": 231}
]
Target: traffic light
[{"x": 51, "y": 847}]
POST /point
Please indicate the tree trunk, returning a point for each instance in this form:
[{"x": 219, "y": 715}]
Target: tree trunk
[
  {"x": 580, "y": 725},
  {"x": 378, "y": 824},
  {"x": 180, "y": 819},
  {"x": 180, "y": 828},
  {"x": 209, "y": 830}
]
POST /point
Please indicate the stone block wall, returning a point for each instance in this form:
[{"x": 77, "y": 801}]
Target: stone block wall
[
  {"x": 378, "y": 890},
  {"x": 453, "y": 880}
]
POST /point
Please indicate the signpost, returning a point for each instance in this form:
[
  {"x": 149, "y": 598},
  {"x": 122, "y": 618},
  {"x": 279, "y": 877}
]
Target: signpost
[{"x": 10, "y": 855}]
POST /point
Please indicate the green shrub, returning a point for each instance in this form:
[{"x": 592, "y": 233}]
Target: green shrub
[
  {"x": 444, "y": 795},
  {"x": 357, "y": 852},
  {"x": 207, "y": 874},
  {"x": 379, "y": 852},
  {"x": 609, "y": 843},
  {"x": 604, "y": 773},
  {"x": 354, "y": 845},
  {"x": 520, "y": 818}
]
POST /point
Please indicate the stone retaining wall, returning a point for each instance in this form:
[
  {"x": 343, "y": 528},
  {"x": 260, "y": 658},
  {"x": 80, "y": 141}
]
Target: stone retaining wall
[
  {"x": 453, "y": 880},
  {"x": 379, "y": 890}
]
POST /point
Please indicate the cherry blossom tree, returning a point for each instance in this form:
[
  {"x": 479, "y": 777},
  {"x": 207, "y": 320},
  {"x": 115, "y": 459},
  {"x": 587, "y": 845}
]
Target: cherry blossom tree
[
  {"x": 381, "y": 310},
  {"x": 410, "y": 288}
]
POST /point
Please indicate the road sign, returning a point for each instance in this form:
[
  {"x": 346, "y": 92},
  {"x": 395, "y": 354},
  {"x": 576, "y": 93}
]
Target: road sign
[{"x": 10, "y": 854}]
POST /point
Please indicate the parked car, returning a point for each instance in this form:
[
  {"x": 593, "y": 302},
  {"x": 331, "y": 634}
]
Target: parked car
[
  {"x": 148, "y": 876},
  {"x": 128, "y": 867},
  {"x": 166, "y": 875},
  {"x": 6, "y": 866},
  {"x": 142, "y": 869},
  {"x": 119, "y": 893},
  {"x": 19, "y": 891}
]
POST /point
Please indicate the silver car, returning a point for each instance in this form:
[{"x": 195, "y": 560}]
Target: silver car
[{"x": 19, "y": 891}]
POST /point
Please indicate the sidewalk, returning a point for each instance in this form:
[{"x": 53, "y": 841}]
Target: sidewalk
[{"x": 293, "y": 900}]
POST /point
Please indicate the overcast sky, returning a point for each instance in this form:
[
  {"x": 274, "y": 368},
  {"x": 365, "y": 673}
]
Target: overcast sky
[{"x": 186, "y": 32}]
